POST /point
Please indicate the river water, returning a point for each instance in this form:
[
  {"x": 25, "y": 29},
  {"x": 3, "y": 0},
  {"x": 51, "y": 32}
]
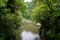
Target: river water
[{"x": 28, "y": 35}]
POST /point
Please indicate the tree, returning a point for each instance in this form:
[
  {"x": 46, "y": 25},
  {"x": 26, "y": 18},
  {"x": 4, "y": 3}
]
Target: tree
[
  {"x": 10, "y": 18},
  {"x": 48, "y": 15}
]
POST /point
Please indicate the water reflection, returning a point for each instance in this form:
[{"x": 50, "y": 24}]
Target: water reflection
[{"x": 28, "y": 35}]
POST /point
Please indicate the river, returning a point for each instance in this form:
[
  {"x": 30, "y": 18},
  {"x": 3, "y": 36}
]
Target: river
[{"x": 28, "y": 35}]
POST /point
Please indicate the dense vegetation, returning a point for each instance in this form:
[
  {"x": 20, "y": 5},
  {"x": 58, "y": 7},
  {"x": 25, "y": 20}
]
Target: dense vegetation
[
  {"x": 47, "y": 13},
  {"x": 10, "y": 18}
]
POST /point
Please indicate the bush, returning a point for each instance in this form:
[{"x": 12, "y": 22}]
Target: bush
[{"x": 9, "y": 23}]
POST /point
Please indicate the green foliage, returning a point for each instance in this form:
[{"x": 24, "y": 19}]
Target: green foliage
[
  {"x": 10, "y": 19},
  {"x": 25, "y": 10},
  {"x": 9, "y": 23},
  {"x": 48, "y": 15}
]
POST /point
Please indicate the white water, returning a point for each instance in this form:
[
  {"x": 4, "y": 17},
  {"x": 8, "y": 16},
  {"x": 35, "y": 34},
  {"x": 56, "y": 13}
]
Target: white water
[{"x": 28, "y": 35}]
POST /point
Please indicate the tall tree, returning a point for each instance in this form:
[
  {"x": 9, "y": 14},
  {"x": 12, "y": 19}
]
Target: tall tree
[
  {"x": 10, "y": 18},
  {"x": 48, "y": 15}
]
